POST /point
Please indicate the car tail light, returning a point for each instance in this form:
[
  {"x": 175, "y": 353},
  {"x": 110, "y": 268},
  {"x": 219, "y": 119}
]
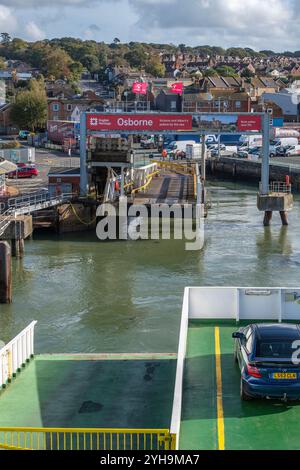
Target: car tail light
[{"x": 254, "y": 372}]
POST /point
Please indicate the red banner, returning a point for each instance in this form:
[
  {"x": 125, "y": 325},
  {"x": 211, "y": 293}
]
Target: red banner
[
  {"x": 138, "y": 122},
  {"x": 140, "y": 88},
  {"x": 177, "y": 88},
  {"x": 249, "y": 123}
]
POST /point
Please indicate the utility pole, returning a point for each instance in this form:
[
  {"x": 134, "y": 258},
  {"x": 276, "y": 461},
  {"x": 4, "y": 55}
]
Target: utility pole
[{"x": 203, "y": 168}]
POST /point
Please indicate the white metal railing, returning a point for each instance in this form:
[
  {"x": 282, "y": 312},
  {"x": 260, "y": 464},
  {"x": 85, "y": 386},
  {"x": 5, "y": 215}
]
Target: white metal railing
[
  {"x": 16, "y": 353},
  {"x": 278, "y": 187},
  {"x": 141, "y": 174},
  {"x": 71, "y": 162},
  {"x": 35, "y": 201},
  {"x": 243, "y": 303},
  {"x": 5, "y": 220}
]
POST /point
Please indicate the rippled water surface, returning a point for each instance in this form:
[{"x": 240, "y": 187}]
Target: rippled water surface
[{"x": 90, "y": 296}]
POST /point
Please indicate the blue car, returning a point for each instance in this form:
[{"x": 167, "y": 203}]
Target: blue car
[{"x": 267, "y": 358}]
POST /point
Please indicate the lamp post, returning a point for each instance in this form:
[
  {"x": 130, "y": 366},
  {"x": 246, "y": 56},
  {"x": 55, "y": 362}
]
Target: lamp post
[
  {"x": 210, "y": 98},
  {"x": 126, "y": 96}
]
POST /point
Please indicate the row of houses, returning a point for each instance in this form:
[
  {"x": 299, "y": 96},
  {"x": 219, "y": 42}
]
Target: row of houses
[
  {"x": 274, "y": 66},
  {"x": 209, "y": 94}
]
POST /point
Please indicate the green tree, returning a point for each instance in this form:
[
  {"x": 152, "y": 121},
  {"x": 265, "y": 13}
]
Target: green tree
[
  {"x": 136, "y": 57},
  {"x": 30, "y": 108},
  {"x": 103, "y": 59},
  {"x": 17, "y": 46},
  {"x": 5, "y": 39},
  {"x": 236, "y": 52},
  {"x": 56, "y": 63},
  {"x": 76, "y": 69},
  {"x": 226, "y": 71},
  {"x": 155, "y": 67},
  {"x": 37, "y": 53},
  {"x": 91, "y": 62},
  {"x": 209, "y": 73},
  {"x": 246, "y": 73}
]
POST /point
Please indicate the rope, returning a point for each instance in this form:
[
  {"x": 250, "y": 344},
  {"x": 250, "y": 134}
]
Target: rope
[{"x": 80, "y": 220}]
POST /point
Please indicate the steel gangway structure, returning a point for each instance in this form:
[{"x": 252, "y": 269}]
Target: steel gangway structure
[{"x": 28, "y": 204}]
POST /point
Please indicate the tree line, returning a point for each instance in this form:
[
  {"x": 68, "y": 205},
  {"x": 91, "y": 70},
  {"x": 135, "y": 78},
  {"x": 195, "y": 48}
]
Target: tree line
[{"x": 67, "y": 57}]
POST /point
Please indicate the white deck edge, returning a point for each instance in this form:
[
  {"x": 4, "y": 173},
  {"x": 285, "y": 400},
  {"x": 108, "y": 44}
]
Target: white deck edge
[
  {"x": 183, "y": 335},
  {"x": 177, "y": 400}
]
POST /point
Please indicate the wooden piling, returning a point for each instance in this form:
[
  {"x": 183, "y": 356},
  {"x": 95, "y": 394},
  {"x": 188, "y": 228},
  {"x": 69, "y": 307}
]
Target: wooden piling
[
  {"x": 268, "y": 218},
  {"x": 17, "y": 248},
  {"x": 284, "y": 218},
  {"x": 21, "y": 247},
  {"x": 5, "y": 273}
]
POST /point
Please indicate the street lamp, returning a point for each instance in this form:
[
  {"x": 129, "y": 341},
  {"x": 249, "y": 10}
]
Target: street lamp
[{"x": 126, "y": 96}]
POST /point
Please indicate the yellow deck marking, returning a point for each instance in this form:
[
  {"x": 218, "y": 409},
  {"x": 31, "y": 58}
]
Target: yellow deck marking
[{"x": 220, "y": 412}]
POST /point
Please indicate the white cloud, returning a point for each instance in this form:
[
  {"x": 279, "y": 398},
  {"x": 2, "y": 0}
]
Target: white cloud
[
  {"x": 33, "y": 32},
  {"x": 219, "y": 22},
  {"x": 8, "y": 21},
  {"x": 261, "y": 24},
  {"x": 25, "y": 4}
]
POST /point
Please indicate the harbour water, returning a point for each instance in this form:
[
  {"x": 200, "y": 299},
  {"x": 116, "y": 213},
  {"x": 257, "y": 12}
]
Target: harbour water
[{"x": 90, "y": 296}]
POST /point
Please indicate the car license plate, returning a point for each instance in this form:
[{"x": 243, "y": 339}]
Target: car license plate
[{"x": 285, "y": 376}]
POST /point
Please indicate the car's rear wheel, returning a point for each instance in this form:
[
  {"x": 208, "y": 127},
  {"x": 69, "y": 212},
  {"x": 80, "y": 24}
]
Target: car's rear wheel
[{"x": 243, "y": 394}]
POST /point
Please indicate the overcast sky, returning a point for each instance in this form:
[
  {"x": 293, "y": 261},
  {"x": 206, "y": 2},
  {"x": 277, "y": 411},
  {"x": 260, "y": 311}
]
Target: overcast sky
[{"x": 260, "y": 24}]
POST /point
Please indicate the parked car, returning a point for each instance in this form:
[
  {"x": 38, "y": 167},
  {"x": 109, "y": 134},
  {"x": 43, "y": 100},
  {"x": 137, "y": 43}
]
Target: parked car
[
  {"x": 293, "y": 150},
  {"x": 282, "y": 151},
  {"x": 149, "y": 143},
  {"x": 24, "y": 172},
  {"x": 243, "y": 153},
  {"x": 264, "y": 353}
]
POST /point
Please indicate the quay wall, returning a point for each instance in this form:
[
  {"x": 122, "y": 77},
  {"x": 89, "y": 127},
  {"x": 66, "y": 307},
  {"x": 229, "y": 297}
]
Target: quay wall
[
  {"x": 250, "y": 171},
  {"x": 76, "y": 218}
]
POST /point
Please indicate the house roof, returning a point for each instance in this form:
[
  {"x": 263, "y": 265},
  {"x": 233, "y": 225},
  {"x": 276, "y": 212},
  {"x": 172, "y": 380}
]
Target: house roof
[
  {"x": 284, "y": 101},
  {"x": 6, "y": 166},
  {"x": 63, "y": 172}
]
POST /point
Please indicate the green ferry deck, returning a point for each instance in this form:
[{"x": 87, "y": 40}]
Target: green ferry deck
[
  {"x": 255, "y": 425},
  {"x": 187, "y": 400}
]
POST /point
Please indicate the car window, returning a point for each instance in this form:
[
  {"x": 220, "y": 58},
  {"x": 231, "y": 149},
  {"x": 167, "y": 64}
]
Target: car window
[{"x": 275, "y": 349}]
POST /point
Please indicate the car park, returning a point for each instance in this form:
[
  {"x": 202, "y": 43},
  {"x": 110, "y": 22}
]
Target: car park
[{"x": 264, "y": 353}]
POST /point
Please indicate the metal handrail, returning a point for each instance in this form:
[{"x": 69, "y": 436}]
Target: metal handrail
[
  {"x": 177, "y": 167},
  {"x": 278, "y": 187},
  {"x": 15, "y": 353},
  {"x": 30, "y": 201},
  {"x": 86, "y": 439},
  {"x": 5, "y": 220},
  {"x": 149, "y": 179}
]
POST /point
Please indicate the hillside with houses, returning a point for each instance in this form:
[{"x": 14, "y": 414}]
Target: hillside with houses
[{"x": 77, "y": 76}]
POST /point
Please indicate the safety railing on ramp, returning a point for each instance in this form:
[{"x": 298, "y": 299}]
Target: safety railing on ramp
[
  {"x": 5, "y": 220},
  {"x": 33, "y": 202},
  {"x": 86, "y": 439},
  {"x": 176, "y": 167},
  {"x": 13, "y": 355}
]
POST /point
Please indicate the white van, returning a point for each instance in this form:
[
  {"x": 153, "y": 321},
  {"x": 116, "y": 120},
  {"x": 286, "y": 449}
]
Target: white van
[
  {"x": 293, "y": 151},
  {"x": 284, "y": 142},
  {"x": 194, "y": 151}
]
